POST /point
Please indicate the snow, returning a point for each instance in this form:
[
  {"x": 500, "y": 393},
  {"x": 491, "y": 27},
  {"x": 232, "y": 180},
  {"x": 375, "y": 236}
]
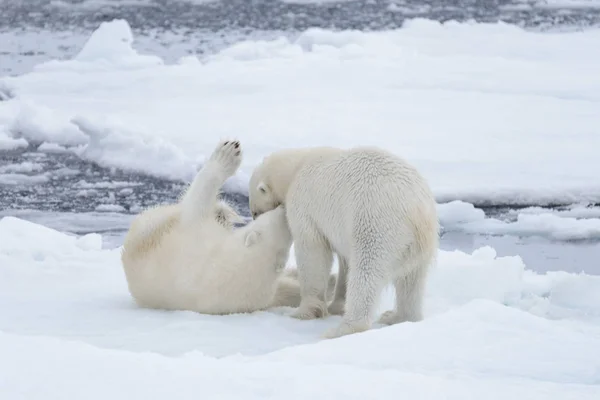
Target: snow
[
  {"x": 111, "y": 44},
  {"x": 43, "y": 124},
  {"x": 576, "y": 223},
  {"x": 135, "y": 151},
  {"x": 550, "y": 225},
  {"x": 9, "y": 143},
  {"x": 6, "y": 92},
  {"x": 51, "y": 148},
  {"x": 22, "y": 179},
  {"x": 591, "y": 4},
  {"x": 151, "y": 376},
  {"x": 490, "y": 113},
  {"x": 26, "y": 166},
  {"x": 575, "y": 211},
  {"x": 493, "y": 330}
]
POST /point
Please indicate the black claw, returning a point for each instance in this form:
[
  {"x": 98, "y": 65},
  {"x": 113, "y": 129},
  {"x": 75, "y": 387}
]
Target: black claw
[
  {"x": 225, "y": 143},
  {"x": 237, "y": 144},
  {"x": 237, "y": 153}
]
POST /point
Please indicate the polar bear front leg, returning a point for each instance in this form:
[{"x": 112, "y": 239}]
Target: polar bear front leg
[
  {"x": 314, "y": 260},
  {"x": 200, "y": 198},
  {"x": 339, "y": 299}
]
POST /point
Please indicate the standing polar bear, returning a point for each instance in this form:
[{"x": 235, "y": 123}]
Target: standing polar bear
[
  {"x": 373, "y": 209},
  {"x": 187, "y": 256}
]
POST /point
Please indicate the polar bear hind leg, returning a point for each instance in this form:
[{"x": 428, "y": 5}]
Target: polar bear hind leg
[
  {"x": 367, "y": 278},
  {"x": 372, "y": 265},
  {"x": 200, "y": 199},
  {"x": 409, "y": 297}
]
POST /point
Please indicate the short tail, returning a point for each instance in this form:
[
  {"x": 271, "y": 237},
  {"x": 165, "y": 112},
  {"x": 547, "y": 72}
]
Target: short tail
[{"x": 287, "y": 293}]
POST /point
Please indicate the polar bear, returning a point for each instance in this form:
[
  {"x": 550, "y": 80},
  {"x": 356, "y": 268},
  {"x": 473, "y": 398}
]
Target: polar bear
[
  {"x": 188, "y": 256},
  {"x": 371, "y": 208}
]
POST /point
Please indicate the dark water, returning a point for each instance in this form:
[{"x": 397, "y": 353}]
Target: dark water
[
  {"x": 277, "y": 15},
  {"x": 66, "y": 183}
]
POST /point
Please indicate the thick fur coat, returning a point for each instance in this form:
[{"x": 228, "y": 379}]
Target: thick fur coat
[
  {"x": 368, "y": 206},
  {"x": 188, "y": 256}
]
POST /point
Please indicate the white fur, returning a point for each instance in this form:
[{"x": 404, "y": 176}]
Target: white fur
[
  {"x": 371, "y": 208},
  {"x": 187, "y": 256}
]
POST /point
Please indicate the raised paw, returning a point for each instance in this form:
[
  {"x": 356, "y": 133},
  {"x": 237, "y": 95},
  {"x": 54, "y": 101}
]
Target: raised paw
[
  {"x": 346, "y": 328},
  {"x": 228, "y": 156},
  {"x": 310, "y": 312}
]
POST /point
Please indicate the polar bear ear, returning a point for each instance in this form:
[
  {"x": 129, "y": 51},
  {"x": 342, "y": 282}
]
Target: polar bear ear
[
  {"x": 252, "y": 238},
  {"x": 263, "y": 188}
]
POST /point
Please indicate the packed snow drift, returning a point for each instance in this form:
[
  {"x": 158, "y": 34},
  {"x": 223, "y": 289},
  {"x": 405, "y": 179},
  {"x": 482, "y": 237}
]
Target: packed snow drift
[{"x": 69, "y": 328}]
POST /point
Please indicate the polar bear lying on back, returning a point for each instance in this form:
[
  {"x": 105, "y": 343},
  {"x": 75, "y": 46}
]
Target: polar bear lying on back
[
  {"x": 371, "y": 208},
  {"x": 187, "y": 256}
]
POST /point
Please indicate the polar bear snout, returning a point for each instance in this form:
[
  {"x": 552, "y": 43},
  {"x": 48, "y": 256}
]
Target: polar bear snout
[
  {"x": 273, "y": 223},
  {"x": 257, "y": 212}
]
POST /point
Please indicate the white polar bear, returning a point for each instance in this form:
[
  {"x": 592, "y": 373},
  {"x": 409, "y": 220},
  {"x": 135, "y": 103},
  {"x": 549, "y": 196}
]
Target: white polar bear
[
  {"x": 373, "y": 209},
  {"x": 187, "y": 256}
]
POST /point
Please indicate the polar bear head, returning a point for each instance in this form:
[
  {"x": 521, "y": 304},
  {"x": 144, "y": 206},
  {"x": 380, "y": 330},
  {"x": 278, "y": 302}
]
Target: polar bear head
[
  {"x": 272, "y": 178},
  {"x": 270, "y": 228},
  {"x": 261, "y": 196}
]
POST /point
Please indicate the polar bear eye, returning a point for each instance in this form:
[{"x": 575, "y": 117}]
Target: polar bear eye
[{"x": 262, "y": 188}]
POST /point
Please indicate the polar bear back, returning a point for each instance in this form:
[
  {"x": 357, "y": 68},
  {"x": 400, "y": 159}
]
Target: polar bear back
[
  {"x": 351, "y": 194},
  {"x": 160, "y": 269}
]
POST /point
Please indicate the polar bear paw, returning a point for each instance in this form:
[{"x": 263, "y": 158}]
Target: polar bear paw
[
  {"x": 393, "y": 317},
  {"x": 390, "y": 318},
  {"x": 346, "y": 328},
  {"x": 336, "y": 307},
  {"x": 227, "y": 156},
  {"x": 310, "y": 311}
]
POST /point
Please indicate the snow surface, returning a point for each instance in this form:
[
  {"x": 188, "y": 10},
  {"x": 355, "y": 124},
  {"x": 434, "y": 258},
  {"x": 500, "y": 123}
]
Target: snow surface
[
  {"x": 576, "y": 223},
  {"x": 489, "y": 112},
  {"x": 9, "y": 143},
  {"x": 567, "y": 4},
  {"x": 493, "y": 330},
  {"x": 22, "y": 179}
]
